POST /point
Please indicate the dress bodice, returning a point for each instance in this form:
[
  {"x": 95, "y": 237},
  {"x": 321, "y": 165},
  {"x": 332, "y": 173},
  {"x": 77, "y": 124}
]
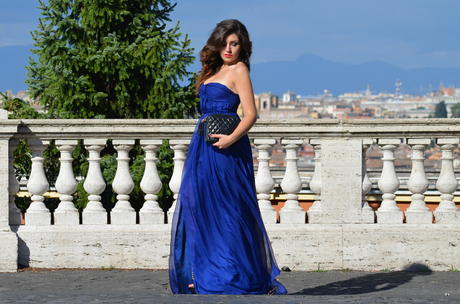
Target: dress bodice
[{"x": 217, "y": 98}]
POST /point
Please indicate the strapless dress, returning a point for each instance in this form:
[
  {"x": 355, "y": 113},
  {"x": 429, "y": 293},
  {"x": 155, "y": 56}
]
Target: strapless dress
[{"x": 218, "y": 239}]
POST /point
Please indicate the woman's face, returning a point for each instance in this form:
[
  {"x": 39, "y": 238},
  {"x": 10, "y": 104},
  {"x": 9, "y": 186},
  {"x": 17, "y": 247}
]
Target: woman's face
[{"x": 230, "y": 50}]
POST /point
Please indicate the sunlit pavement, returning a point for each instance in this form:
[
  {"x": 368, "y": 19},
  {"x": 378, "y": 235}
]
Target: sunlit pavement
[{"x": 149, "y": 286}]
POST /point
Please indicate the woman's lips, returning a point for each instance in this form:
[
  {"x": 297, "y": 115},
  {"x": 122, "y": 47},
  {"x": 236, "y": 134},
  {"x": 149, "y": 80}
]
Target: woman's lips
[{"x": 228, "y": 55}]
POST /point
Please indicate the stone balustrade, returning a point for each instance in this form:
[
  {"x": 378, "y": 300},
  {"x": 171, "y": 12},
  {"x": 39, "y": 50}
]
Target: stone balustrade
[{"x": 340, "y": 229}]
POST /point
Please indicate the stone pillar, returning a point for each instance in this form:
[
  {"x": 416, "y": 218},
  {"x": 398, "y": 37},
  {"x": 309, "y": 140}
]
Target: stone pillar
[
  {"x": 367, "y": 212},
  {"x": 94, "y": 185},
  {"x": 447, "y": 212},
  {"x": 341, "y": 180},
  {"x": 418, "y": 212},
  {"x": 66, "y": 213},
  {"x": 8, "y": 239},
  {"x": 14, "y": 213},
  {"x": 37, "y": 214},
  {"x": 264, "y": 180},
  {"x": 315, "y": 211},
  {"x": 292, "y": 213},
  {"x": 151, "y": 213},
  {"x": 389, "y": 212},
  {"x": 179, "y": 146},
  {"x": 123, "y": 213}
]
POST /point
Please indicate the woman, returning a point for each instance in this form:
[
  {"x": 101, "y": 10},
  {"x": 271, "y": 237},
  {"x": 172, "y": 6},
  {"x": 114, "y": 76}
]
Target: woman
[{"x": 219, "y": 244}]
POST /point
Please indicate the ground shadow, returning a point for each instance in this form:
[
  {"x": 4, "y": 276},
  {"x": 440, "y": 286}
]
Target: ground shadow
[
  {"x": 373, "y": 282},
  {"x": 23, "y": 254}
]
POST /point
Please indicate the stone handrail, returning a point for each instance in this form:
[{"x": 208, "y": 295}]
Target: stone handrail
[{"x": 273, "y": 128}]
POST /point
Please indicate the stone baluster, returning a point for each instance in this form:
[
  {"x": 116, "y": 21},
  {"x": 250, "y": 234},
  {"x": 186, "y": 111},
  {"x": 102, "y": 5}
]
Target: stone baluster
[
  {"x": 316, "y": 210},
  {"x": 179, "y": 146},
  {"x": 292, "y": 213},
  {"x": 264, "y": 180},
  {"x": 66, "y": 213},
  {"x": 14, "y": 212},
  {"x": 151, "y": 213},
  {"x": 447, "y": 212},
  {"x": 389, "y": 212},
  {"x": 367, "y": 212},
  {"x": 418, "y": 212},
  {"x": 94, "y": 185},
  {"x": 123, "y": 213},
  {"x": 37, "y": 214}
]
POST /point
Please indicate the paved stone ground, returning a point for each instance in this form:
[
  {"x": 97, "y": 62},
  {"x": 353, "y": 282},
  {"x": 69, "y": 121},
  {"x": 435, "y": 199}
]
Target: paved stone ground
[{"x": 147, "y": 286}]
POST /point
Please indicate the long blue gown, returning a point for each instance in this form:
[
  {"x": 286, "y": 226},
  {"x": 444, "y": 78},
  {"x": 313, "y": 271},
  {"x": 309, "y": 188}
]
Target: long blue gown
[{"x": 218, "y": 239}]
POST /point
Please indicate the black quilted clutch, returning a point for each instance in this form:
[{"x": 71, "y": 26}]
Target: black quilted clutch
[{"x": 217, "y": 124}]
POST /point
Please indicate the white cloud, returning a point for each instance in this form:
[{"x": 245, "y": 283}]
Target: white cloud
[{"x": 12, "y": 34}]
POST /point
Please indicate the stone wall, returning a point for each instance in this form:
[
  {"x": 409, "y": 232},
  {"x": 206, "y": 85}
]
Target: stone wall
[{"x": 299, "y": 247}]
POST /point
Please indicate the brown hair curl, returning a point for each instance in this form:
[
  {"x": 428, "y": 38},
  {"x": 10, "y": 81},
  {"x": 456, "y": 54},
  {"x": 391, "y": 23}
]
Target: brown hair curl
[{"x": 210, "y": 54}]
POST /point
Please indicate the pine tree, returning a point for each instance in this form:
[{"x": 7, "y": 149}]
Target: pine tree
[
  {"x": 440, "y": 110},
  {"x": 111, "y": 59}
]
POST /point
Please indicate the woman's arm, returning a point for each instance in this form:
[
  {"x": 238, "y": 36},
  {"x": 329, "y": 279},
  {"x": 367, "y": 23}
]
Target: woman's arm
[{"x": 240, "y": 78}]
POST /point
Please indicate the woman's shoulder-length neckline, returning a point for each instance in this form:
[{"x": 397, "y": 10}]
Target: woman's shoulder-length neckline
[{"x": 219, "y": 84}]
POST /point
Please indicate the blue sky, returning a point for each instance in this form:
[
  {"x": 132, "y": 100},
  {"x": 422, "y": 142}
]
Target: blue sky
[{"x": 405, "y": 33}]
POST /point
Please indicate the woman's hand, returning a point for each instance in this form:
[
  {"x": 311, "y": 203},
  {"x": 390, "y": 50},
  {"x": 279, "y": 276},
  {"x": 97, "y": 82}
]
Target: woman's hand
[{"x": 225, "y": 141}]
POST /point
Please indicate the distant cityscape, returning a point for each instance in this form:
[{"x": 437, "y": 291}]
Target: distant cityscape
[{"x": 356, "y": 105}]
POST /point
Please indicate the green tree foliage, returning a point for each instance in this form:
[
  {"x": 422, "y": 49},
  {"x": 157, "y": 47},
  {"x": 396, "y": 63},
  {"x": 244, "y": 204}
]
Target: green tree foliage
[
  {"x": 455, "y": 109},
  {"x": 113, "y": 59},
  {"x": 441, "y": 110}
]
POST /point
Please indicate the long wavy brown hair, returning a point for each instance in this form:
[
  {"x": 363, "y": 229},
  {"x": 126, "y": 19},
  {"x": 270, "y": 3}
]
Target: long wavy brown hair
[{"x": 210, "y": 54}]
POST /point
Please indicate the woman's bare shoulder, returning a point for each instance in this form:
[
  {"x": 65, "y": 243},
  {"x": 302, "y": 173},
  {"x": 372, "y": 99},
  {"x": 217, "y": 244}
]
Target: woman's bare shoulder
[
  {"x": 241, "y": 66},
  {"x": 240, "y": 69}
]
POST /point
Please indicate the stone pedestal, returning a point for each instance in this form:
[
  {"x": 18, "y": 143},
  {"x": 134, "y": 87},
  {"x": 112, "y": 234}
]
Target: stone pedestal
[
  {"x": 389, "y": 217},
  {"x": 8, "y": 250},
  {"x": 341, "y": 180},
  {"x": 418, "y": 217},
  {"x": 446, "y": 217},
  {"x": 8, "y": 239},
  {"x": 124, "y": 214}
]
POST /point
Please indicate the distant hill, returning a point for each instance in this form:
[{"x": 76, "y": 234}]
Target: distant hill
[{"x": 308, "y": 75}]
